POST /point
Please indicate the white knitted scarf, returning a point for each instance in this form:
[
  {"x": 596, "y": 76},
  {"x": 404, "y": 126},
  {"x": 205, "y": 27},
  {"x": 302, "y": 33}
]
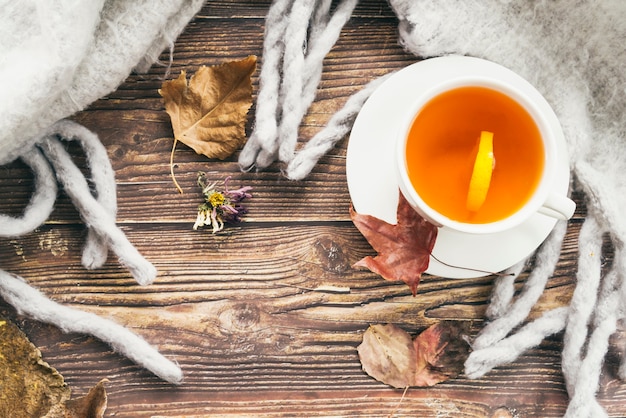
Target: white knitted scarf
[
  {"x": 56, "y": 58},
  {"x": 573, "y": 52}
]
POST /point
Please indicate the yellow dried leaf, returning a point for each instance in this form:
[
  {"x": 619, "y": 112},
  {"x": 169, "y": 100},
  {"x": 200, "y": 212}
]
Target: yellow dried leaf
[
  {"x": 32, "y": 388},
  {"x": 209, "y": 112}
]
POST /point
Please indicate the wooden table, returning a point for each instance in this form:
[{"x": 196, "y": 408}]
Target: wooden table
[{"x": 236, "y": 309}]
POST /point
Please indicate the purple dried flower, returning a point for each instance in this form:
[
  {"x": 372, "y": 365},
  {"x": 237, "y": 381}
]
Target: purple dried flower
[{"x": 220, "y": 207}]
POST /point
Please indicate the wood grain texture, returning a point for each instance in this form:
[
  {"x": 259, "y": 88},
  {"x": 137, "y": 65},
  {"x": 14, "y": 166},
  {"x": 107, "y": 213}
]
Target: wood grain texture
[{"x": 240, "y": 310}]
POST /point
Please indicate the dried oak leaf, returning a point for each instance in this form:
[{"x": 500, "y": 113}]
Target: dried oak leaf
[
  {"x": 32, "y": 388},
  {"x": 403, "y": 249},
  {"x": 389, "y": 355}
]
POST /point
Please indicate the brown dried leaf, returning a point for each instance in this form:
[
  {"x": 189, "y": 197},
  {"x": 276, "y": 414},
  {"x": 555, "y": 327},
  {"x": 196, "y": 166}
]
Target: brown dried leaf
[
  {"x": 209, "y": 113},
  {"x": 389, "y": 355},
  {"x": 91, "y": 405},
  {"x": 31, "y": 388},
  {"x": 403, "y": 249}
]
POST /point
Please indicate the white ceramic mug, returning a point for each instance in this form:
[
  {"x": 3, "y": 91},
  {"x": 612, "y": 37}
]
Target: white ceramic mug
[{"x": 543, "y": 200}]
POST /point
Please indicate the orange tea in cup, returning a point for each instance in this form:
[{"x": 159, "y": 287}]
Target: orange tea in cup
[{"x": 441, "y": 149}]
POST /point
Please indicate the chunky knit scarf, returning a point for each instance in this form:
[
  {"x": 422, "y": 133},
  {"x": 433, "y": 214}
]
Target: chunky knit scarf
[
  {"x": 573, "y": 52},
  {"x": 57, "y": 57}
]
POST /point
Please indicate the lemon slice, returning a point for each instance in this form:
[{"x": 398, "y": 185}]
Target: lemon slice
[{"x": 481, "y": 174}]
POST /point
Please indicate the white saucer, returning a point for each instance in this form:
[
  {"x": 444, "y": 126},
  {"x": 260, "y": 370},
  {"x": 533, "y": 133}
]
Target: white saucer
[{"x": 374, "y": 188}]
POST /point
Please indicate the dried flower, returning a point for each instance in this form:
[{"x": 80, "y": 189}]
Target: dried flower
[{"x": 220, "y": 206}]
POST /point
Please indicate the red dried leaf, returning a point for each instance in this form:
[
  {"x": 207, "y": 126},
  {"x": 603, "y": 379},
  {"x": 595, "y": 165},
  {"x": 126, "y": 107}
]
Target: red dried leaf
[
  {"x": 389, "y": 355},
  {"x": 403, "y": 249},
  {"x": 440, "y": 352}
]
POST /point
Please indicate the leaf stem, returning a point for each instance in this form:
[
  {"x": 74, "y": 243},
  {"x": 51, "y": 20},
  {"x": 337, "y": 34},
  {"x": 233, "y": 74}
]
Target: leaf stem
[
  {"x": 180, "y": 190},
  {"x": 470, "y": 269},
  {"x": 395, "y": 409}
]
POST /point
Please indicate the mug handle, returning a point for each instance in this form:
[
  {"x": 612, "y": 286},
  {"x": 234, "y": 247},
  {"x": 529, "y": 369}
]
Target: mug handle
[{"x": 558, "y": 206}]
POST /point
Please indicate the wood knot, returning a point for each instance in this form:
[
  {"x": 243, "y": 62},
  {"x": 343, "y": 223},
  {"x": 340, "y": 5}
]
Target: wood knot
[
  {"x": 329, "y": 255},
  {"x": 239, "y": 318},
  {"x": 117, "y": 152}
]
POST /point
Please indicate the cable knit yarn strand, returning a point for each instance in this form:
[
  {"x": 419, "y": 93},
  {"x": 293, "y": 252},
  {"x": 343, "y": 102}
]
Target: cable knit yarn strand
[
  {"x": 338, "y": 127},
  {"x": 547, "y": 258},
  {"x": 31, "y": 302},
  {"x": 41, "y": 202},
  {"x": 266, "y": 126},
  {"x": 584, "y": 384},
  {"x": 580, "y": 315},
  {"x": 503, "y": 291},
  {"x": 292, "y": 86},
  {"x": 96, "y": 249},
  {"x": 324, "y": 34},
  {"x": 97, "y": 216},
  {"x": 298, "y": 35},
  {"x": 494, "y": 345},
  {"x": 508, "y": 349}
]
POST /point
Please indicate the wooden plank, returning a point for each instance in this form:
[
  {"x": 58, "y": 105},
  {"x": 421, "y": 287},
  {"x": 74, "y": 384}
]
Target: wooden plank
[{"x": 241, "y": 311}]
